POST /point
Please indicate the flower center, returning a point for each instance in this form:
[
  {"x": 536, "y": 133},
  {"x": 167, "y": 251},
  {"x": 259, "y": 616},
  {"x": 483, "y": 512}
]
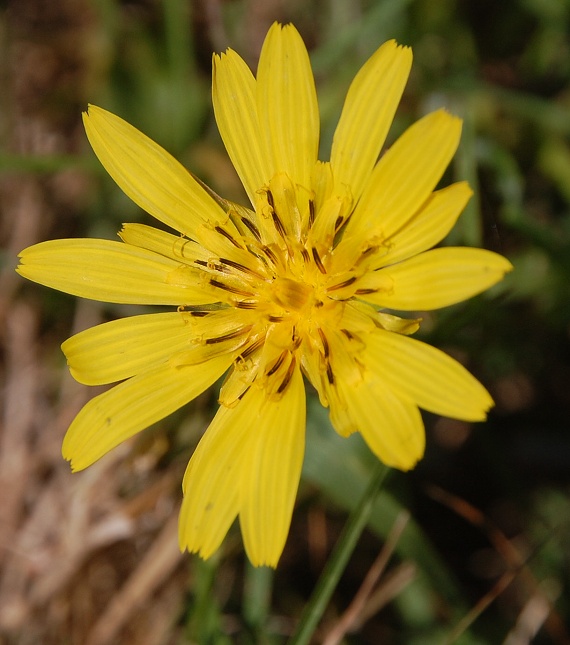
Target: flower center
[{"x": 291, "y": 294}]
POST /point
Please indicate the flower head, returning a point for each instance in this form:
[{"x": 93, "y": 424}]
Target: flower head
[{"x": 301, "y": 282}]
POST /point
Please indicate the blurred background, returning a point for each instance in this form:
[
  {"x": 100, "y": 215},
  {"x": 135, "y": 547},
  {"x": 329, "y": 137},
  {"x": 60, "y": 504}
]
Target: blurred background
[{"x": 473, "y": 547}]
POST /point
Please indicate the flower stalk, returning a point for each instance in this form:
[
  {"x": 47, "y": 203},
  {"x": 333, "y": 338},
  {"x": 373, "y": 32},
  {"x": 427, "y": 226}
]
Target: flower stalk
[{"x": 336, "y": 563}]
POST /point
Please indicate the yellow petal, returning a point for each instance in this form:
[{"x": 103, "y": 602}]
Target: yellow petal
[
  {"x": 367, "y": 115},
  {"x": 437, "y": 278},
  {"x": 235, "y": 108},
  {"x": 398, "y": 325},
  {"x": 118, "y": 414},
  {"x": 390, "y": 424},
  {"x": 271, "y": 470},
  {"x": 113, "y": 272},
  {"x": 287, "y": 103},
  {"x": 211, "y": 490},
  {"x": 119, "y": 349},
  {"x": 428, "y": 226},
  {"x": 148, "y": 174},
  {"x": 171, "y": 246},
  {"x": 216, "y": 332},
  {"x": 427, "y": 376},
  {"x": 405, "y": 176}
]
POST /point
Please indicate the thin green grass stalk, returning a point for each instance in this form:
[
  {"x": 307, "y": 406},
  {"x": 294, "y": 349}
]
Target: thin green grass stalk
[
  {"x": 46, "y": 164},
  {"x": 178, "y": 40},
  {"x": 338, "y": 559},
  {"x": 258, "y": 585},
  {"x": 469, "y": 227},
  {"x": 204, "y": 620}
]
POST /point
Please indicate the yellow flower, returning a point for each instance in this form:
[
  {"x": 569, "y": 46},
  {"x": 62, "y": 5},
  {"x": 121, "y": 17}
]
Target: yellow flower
[{"x": 298, "y": 284}]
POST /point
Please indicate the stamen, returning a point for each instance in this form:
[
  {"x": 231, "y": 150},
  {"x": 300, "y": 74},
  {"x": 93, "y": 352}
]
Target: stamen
[
  {"x": 227, "y": 287},
  {"x": 275, "y": 319},
  {"x": 246, "y": 304},
  {"x": 311, "y": 213},
  {"x": 288, "y": 376},
  {"x": 182, "y": 241},
  {"x": 368, "y": 251},
  {"x": 212, "y": 265},
  {"x": 278, "y": 224},
  {"x": 222, "y": 231},
  {"x": 305, "y": 255},
  {"x": 269, "y": 253},
  {"x": 232, "y": 334},
  {"x": 339, "y": 221},
  {"x": 363, "y": 292},
  {"x": 240, "y": 267},
  {"x": 277, "y": 363},
  {"x": 252, "y": 228},
  {"x": 325, "y": 342},
  {"x": 341, "y": 285},
  {"x": 240, "y": 397},
  {"x": 260, "y": 255},
  {"x": 318, "y": 261},
  {"x": 215, "y": 266},
  {"x": 193, "y": 310},
  {"x": 348, "y": 334},
  {"x": 330, "y": 375},
  {"x": 248, "y": 351},
  {"x": 270, "y": 199},
  {"x": 295, "y": 339}
]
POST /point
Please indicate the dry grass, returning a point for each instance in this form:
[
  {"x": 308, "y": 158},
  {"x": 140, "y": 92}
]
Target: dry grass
[{"x": 86, "y": 559}]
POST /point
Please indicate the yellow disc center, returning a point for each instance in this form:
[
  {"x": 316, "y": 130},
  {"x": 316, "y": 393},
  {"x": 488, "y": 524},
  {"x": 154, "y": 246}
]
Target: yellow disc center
[{"x": 290, "y": 294}]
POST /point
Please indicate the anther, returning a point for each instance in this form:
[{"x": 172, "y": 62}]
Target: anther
[
  {"x": 368, "y": 251},
  {"x": 341, "y": 285},
  {"x": 215, "y": 266},
  {"x": 296, "y": 340},
  {"x": 229, "y": 336},
  {"x": 330, "y": 375},
  {"x": 246, "y": 304},
  {"x": 222, "y": 231},
  {"x": 325, "y": 342},
  {"x": 227, "y": 287},
  {"x": 252, "y": 228},
  {"x": 318, "y": 261},
  {"x": 240, "y": 397},
  {"x": 240, "y": 267},
  {"x": 364, "y": 292},
  {"x": 278, "y": 224},
  {"x": 270, "y": 255},
  {"x": 270, "y": 199},
  {"x": 288, "y": 376},
  {"x": 248, "y": 351},
  {"x": 277, "y": 363},
  {"x": 311, "y": 213}
]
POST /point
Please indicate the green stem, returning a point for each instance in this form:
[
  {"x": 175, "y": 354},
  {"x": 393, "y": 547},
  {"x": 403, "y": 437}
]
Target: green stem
[
  {"x": 338, "y": 560},
  {"x": 257, "y": 598}
]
